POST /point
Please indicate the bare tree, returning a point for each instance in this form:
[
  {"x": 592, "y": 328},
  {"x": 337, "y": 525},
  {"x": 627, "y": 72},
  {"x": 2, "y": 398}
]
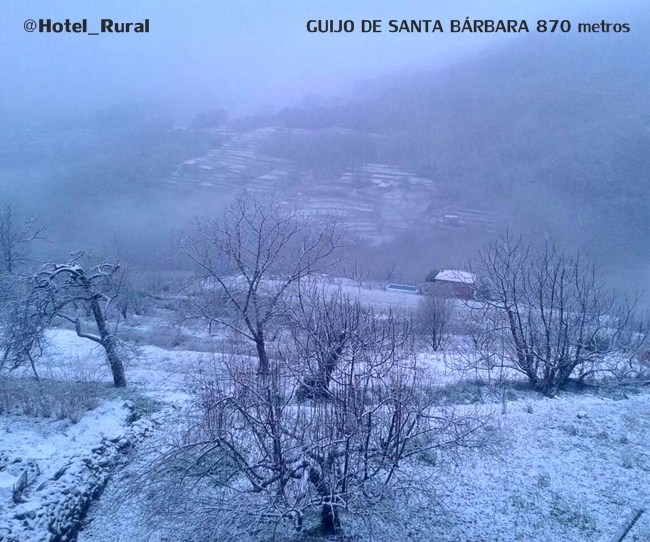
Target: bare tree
[
  {"x": 390, "y": 272},
  {"x": 132, "y": 297},
  {"x": 547, "y": 315},
  {"x": 16, "y": 234},
  {"x": 251, "y": 259},
  {"x": 433, "y": 319},
  {"x": 22, "y": 334},
  {"x": 252, "y": 455},
  {"x": 322, "y": 325},
  {"x": 357, "y": 274},
  {"x": 21, "y": 331},
  {"x": 66, "y": 289}
]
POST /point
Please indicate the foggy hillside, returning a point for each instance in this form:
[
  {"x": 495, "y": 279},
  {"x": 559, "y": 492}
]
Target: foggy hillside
[
  {"x": 545, "y": 137},
  {"x": 549, "y": 135}
]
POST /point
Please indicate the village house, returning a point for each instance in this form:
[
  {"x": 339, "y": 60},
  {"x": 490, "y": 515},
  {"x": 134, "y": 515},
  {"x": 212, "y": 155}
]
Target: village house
[{"x": 452, "y": 283}]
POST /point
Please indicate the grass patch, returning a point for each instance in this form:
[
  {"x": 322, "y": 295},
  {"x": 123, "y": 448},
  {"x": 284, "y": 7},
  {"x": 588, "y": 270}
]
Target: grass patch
[{"x": 50, "y": 398}]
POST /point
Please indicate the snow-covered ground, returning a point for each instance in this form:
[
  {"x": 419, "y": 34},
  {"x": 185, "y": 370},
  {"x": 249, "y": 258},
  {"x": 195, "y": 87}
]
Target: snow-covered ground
[
  {"x": 570, "y": 468},
  {"x": 61, "y": 464}
]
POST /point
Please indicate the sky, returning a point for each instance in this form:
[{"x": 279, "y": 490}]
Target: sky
[{"x": 241, "y": 55}]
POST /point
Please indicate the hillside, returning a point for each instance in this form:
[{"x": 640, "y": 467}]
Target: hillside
[{"x": 545, "y": 137}]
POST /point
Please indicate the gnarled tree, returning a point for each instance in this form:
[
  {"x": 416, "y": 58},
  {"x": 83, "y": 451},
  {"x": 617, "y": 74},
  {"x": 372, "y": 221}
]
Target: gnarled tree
[
  {"x": 68, "y": 290},
  {"x": 253, "y": 456},
  {"x": 322, "y": 325}
]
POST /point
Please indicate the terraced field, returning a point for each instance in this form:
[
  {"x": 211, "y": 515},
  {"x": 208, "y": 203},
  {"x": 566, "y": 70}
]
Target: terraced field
[{"x": 379, "y": 200}]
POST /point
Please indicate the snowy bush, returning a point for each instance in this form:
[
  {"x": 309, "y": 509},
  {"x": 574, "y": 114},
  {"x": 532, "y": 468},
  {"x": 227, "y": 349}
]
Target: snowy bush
[
  {"x": 254, "y": 459},
  {"x": 549, "y": 316}
]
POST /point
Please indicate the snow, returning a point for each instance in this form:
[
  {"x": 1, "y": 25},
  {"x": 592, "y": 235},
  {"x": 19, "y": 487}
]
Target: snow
[
  {"x": 456, "y": 275},
  {"x": 54, "y": 443},
  {"x": 558, "y": 477},
  {"x": 7, "y": 482},
  {"x": 563, "y": 469},
  {"x": 554, "y": 476},
  {"x": 63, "y": 464}
]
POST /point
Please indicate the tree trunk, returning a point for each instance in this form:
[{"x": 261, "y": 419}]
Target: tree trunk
[
  {"x": 109, "y": 344},
  {"x": 318, "y": 387},
  {"x": 332, "y": 360},
  {"x": 329, "y": 518},
  {"x": 117, "y": 368},
  {"x": 263, "y": 367}
]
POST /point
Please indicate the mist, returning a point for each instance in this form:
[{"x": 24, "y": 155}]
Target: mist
[
  {"x": 538, "y": 133},
  {"x": 240, "y": 58}
]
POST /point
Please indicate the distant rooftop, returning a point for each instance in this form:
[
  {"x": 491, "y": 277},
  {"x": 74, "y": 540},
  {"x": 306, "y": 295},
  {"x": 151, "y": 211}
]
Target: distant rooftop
[{"x": 455, "y": 275}]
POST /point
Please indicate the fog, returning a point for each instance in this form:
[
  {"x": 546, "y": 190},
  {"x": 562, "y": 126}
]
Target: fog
[
  {"x": 544, "y": 134},
  {"x": 241, "y": 56}
]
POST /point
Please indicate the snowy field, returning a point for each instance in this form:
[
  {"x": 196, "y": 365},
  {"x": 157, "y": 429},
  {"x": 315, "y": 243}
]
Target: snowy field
[{"x": 571, "y": 468}]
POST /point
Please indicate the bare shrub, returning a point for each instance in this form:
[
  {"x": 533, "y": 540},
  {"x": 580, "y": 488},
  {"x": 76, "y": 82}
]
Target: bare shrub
[
  {"x": 643, "y": 358},
  {"x": 253, "y": 459},
  {"x": 46, "y": 398},
  {"x": 632, "y": 360},
  {"x": 433, "y": 319}
]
